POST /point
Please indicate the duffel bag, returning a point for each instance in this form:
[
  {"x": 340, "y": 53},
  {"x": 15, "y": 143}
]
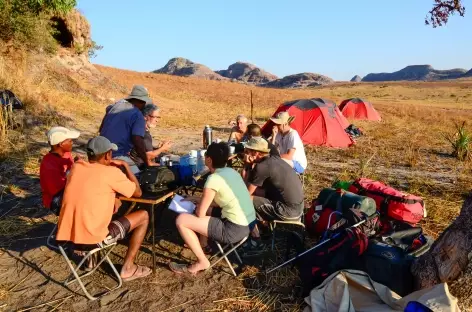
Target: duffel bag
[
  {"x": 391, "y": 202},
  {"x": 335, "y": 254},
  {"x": 388, "y": 258},
  {"x": 333, "y": 205},
  {"x": 156, "y": 179}
]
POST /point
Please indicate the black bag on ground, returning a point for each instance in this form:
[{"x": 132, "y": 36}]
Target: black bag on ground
[
  {"x": 336, "y": 254},
  {"x": 8, "y": 98},
  {"x": 388, "y": 258},
  {"x": 154, "y": 180}
]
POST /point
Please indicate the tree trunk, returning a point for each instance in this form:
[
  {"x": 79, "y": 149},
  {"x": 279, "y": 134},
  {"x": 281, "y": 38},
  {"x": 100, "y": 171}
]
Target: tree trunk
[{"x": 449, "y": 254}]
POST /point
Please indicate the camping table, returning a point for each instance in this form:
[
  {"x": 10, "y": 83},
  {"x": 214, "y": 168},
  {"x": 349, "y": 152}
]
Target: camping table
[{"x": 153, "y": 201}]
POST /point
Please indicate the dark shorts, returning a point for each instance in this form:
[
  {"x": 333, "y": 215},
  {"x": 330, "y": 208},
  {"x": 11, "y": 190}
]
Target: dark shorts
[
  {"x": 56, "y": 203},
  {"x": 269, "y": 210},
  {"x": 224, "y": 231},
  {"x": 117, "y": 230}
]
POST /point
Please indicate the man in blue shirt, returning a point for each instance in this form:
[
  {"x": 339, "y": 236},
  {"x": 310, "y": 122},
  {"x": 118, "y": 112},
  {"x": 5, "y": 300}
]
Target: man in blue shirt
[{"x": 124, "y": 125}]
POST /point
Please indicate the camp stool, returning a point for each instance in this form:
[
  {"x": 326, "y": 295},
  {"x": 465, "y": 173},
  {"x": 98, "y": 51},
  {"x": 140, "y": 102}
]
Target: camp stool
[
  {"x": 101, "y": 248},
  {"x": 230, "y": 248},
  {"x": 273, "y": 227}
]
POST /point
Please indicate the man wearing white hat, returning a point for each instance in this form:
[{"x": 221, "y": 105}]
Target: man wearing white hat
[
  {"x": 124, "y": 125},
  {"x": 288, "y": 142},
  {"x": 55, "y": 166}
]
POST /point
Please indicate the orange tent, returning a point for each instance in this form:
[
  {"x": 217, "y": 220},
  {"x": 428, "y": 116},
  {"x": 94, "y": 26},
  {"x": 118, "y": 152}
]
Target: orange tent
[{"x": 359, "y": 109}]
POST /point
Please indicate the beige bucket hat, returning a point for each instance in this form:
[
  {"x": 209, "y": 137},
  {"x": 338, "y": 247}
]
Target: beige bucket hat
[
  {"x": 283, "y": 118},
  {"x": 258, "y": 144},
  {"x": 139, "y": 92}
]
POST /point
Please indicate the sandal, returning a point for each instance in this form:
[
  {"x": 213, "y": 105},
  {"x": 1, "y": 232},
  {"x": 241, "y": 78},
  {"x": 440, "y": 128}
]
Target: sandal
[
  {"x": 141, "y": 271},
  {"x": 207, "y": 250},
  {"x": 179, "y": 268}
]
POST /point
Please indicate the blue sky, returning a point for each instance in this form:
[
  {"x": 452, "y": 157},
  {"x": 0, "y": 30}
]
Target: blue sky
[{"x": 339, "y": 38}]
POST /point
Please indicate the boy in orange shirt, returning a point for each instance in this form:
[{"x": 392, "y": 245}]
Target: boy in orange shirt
[{"x": 88, "y": 205}]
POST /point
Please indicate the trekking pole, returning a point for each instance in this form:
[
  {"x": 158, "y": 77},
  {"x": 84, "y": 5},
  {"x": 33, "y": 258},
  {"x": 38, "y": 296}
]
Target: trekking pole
[{"x": 320, "y": 244}]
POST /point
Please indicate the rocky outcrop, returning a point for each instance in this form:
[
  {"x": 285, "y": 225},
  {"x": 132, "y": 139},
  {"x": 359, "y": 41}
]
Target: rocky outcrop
[
  {"x": 73, "y": 31},
  {"x": 356, "y": 78},
  {"x": 417, "y": 72},
  {"x": 468, "y": 74},
  {"x": 248, "y": 73},
  {"x": 301, "y": 80},
  {"x": 183, "y": 67}
]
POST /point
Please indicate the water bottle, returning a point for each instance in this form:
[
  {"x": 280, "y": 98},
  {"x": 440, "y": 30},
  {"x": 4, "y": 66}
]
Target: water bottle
[{"x": 207, "y": 136}]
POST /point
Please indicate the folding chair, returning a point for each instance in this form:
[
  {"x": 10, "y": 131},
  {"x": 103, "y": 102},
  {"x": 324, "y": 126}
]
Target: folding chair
[
  {"x": 101, "y": 248},
  {"x": 52, "y": 238},
  {"x": 230, "y": 249}
]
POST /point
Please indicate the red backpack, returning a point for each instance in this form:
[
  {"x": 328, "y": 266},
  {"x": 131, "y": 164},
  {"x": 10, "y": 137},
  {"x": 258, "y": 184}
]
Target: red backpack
[{"x": 391, "y": 202}]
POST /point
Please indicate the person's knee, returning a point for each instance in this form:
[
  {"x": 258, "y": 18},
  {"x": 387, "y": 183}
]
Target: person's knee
[
  {"x": 181, "y": 220},
  {"x": 143, "y": 217}
]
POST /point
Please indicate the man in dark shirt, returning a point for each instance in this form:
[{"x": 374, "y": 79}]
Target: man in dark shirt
[
  {"x": 254, "y": 131},
  {"x": 151, "y": 115},
  {"x": 283, "y": 199}
]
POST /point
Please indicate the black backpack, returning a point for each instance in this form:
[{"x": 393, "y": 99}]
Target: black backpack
[
  {"x": 154, "y": 180},
  {"x": 336, "y": 254},
  {"x": 8, "y": 98}
]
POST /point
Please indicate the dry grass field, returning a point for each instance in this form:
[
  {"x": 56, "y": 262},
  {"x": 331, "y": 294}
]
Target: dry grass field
[{"x": 407, "y": 149}]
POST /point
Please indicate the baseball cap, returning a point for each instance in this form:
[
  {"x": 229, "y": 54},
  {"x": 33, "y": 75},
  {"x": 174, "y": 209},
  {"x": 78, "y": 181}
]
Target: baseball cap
[
  {"x": 58, "y": 135},
  {"x": 100, "y": 145},
  {"x": 283, "y": 118},
  {"x": 257, "y": 144}
]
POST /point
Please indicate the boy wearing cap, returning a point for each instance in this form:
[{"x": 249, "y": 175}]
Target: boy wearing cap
[
  {"x": 55, "y": 166},
  {"x": 88, "y": 205},
  {"x": 283, "y": 192},
  {"x": 124, "y": 125},
  {"x": 288, "y": 142}
]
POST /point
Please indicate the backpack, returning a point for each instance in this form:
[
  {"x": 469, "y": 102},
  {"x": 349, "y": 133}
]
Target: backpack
[
  {"x": 390, "y": 202},
  {"x": 335, "y": 254},
  {"x": 8, "y": 98},
  {"x": 333, "y": 205},
  {"x": 157, "y": 179}
]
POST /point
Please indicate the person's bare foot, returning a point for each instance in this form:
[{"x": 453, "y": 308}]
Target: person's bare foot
[{"x": 198, "y": 266}]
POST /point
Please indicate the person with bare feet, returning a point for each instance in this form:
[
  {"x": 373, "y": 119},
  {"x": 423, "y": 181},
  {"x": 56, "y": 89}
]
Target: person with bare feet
[
  {"x": 228, "y": 220},
  {"x": 88, "y": 205}
]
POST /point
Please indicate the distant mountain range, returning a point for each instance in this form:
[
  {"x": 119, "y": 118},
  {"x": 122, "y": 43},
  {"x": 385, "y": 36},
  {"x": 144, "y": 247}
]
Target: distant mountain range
[
  {"x": 417, "y": 73},
  {"x": 247, "y": 73}
]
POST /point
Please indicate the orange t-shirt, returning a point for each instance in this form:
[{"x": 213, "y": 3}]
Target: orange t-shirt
[{"x": 87, "y": 205}]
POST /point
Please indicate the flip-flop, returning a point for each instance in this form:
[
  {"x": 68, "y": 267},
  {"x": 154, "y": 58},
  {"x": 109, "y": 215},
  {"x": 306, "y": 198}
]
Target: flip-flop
[
  {"x": 207, "y": 250},
  {"x": 180, "y": 268},
  {"x": 141, "y": 269}
]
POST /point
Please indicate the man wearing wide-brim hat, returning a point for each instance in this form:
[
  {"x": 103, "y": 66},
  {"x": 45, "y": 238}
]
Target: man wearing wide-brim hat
[
  {"x": 276, "y": 190},
  {"x": 124, "y": 125},
  {"x": 288, "y": 142}
]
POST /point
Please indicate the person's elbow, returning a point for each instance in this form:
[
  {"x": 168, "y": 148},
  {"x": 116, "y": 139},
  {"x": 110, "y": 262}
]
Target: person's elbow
[{"x": 138, "y": 192}]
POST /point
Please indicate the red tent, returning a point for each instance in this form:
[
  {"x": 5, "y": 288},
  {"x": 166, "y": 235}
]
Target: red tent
[
  {"x": 317, "y": 121},
  {"x": 359, "y": 109}
]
